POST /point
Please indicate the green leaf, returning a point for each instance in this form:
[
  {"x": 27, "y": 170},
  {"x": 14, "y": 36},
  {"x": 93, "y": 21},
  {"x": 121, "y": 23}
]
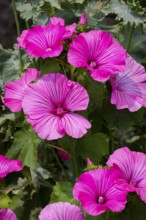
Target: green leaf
[
  {"x": 93, "y": 146},
  {"x": 5, "y": 201},
  {"x": 24, "y": 147},
  {"x": 62, "y": 192},
  {"x": 123, "y": 12},
  {"x": 50, "y": 65},
  {"x": 54, "y": 3}
]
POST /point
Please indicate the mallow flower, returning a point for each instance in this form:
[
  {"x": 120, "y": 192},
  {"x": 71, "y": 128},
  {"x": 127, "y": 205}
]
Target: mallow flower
[
  {"x": 129, "y": 87},
  {"x": 7, "y": 214},
  {"x": 83, "y": 19},
  {"x": 43, "y": 41},
  {"x": 61, "y": 211},
  {"x": 8, "y": 166},
  {"x": 14, "y": 91},
  {"x": 50, "y": 104},
  {"x": 99, "y": 53},
  {"x": 97, "y": 192},
  {"x": 132, "y": 166}
]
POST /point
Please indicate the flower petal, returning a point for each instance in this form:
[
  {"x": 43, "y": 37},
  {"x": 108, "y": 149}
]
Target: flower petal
[
  {"x": 7, "y": 214},
  {"x": 75, "y": 125},
  {"x": 14, "y": 91}
]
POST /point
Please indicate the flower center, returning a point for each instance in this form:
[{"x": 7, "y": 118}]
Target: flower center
[
  {"x": 48, "y": 49},
  {"x": 60, "y": 111},
  {"x": 101, "y": 200},
  {"x": 92, "y": 64},
  {"x": 133, "y": 183}
]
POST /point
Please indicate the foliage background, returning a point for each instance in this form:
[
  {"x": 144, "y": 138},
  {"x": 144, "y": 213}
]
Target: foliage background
[{"x": 45, "y": 177}]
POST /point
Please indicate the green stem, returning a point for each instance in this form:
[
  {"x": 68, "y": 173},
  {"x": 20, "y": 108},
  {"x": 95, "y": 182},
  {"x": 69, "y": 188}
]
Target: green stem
[
  {"x": 27, "y": 24},
  {"x": 75, "y": 164},
  {"x": 59, "y": 163},
  {"x": 130, "y": 35},
  {"x": 18, "y": 32},
  {"x": 58, "y": 148}
]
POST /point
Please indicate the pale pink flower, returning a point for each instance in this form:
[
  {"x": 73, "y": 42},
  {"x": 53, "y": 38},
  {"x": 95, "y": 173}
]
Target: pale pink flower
[
  {"x": 99, "y": 53},
  {"x": 83, "y": 19},
  {"x": 49, "y": 105},
  {"x": 128, "y": 87},
  {"x": 14, "y": 91},
  {"x": 61, "y": 211},
  {"x": 45, "y": 41},
  {"x": 7, "y": 214},
  {"x": 22, "y": 39},
  {"x": 8, "y": 166},
  {"x": 133, "y": 170},
  {"x": 70, "y": 29},
  {"x": 97, "y": 192}
]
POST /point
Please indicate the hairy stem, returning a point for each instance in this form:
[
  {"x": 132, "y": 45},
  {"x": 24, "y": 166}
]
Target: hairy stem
[{"x": 18, "y": 32}]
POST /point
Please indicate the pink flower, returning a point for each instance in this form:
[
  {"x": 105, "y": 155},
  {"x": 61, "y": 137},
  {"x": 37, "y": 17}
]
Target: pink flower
[
  {"x": 14, "y": 91},
  {"x": 7, "y": 214},
  {"x": 22, "y": 39},
  {"x": 83, "y": 19},
  {"x": 70, "y": 29},
  {"x": 50, "y": 103},
  {"x": 133, "y": 167},
  {"x": 45, "y": 41},
  {"x": 99, "y": 53},
  {"x": 61, "y": 211},
  {"x": 64, "y": 155},
  {"x": 128, "y": 87},
  {"x": 96, "y": 191},
  {"x": 8, "y": 166}
]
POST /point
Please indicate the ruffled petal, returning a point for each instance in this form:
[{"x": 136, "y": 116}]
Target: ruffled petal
[
  {"x": 74, "y": 125},
  {"x": 22, "y": 39},
  {"x": 14, "y": 91},
  {"x": 56, "y": 20}
]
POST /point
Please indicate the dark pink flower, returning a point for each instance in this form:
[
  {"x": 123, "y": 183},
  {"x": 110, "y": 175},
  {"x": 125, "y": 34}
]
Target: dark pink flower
[
  {"x": 99, "y": 53},
  {"x": 49, "y": 105},
  {"x": 61, "y": 211},
  {"x": 128, "y": 87},
  {"x": 70, "y": 29},
  {"x": 45, "y": 41},
  {"x": 97, "y": 192},
  {"x": 14, "y": 91},
  {"x": 8, "y": 166},
  {"x": 7, "y": 214},
  {"x": 22, "y": 39},
  {"x": 64, "y": 155},
  {"x": 83, "y": 19},
  {"x": 133, "y": 167}
]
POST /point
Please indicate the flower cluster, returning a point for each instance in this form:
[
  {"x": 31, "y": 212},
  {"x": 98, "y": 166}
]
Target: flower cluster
[
  {"x": 50, "y": 102},
  {"x": 107, "y": 188}
]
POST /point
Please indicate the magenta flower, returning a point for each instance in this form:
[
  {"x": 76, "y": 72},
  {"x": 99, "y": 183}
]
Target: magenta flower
[
  {"x": 70, "y": 29},
  {"x": 128, "y": 87},
  {"x": 22, "y": 39},
  {"x": 50, "y": 103},
  {"x": 97, "y": 192},
  {"x": 45, "y": 41},
  {"x": 83, "y": 19},
  {"x": 14, "y": 91},
  {"x": 99, "y": 53},
  {"x": 61, "y": 211},
  {"x": 7, "y": 214},
  {"x": 8, "y": 166},
  {"x": 133, "y": 167}
]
